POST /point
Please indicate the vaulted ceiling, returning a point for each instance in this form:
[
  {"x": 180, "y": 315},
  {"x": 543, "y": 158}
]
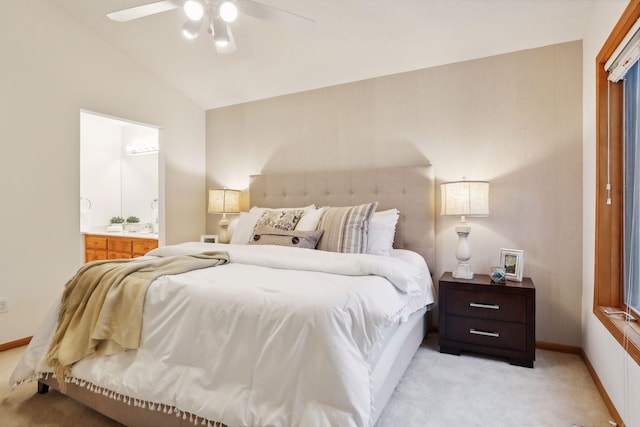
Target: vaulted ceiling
[{"x": 352, "y": 40}]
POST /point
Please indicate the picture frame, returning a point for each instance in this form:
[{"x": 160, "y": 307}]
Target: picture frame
[
  {"x": 209, "y": 238},
  {"x": 513, "y": 262}
]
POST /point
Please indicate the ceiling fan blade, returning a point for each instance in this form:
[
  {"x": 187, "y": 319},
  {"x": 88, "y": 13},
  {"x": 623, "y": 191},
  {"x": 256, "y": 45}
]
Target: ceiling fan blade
[
  {"x": 231, "y": 46},
  {"x": 132, "y": 13},
  {"x": 272, "y": 14}
]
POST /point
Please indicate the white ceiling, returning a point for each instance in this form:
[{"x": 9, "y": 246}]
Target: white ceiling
[{"x": 352, "y": 40}]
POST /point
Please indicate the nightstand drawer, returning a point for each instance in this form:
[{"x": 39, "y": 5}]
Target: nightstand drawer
[
  {"x": 487, "y": 305},
  {"x": 507, "y": 335}
]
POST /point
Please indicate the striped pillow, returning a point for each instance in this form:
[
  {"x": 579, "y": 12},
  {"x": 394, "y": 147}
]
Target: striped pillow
[{"x": 346, "y": 229}]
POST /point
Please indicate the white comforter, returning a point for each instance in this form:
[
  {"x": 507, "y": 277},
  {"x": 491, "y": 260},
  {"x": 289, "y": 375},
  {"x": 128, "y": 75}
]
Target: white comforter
[{"x": 278, "y": 337}]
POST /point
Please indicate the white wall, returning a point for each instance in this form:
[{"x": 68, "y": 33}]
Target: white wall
[
  {"x": 52, "y": 67},
  {"x": 619, "y": 374},
  {"x": 513, "y": 119}
]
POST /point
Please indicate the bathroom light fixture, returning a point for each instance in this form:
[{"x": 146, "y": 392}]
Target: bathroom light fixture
[
  {"x": 464, "y": 198},
  {"x": 139, "y": 149}
]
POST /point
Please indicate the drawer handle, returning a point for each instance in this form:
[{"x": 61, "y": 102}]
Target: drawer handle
[
  {"x": 484, "y": 333},
  {"x": 491, "y": 306}
]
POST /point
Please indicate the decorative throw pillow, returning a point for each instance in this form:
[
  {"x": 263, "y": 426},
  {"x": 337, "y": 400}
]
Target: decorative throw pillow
[
  {"x": 285, "y": 220},
  {"x": 272, "y": 236},
  {"x": 260, "y": 210},
  {"x": 382, "y": 231},
  {"x": 346, "y": 229},
  {"x": 247, "y": 222}
]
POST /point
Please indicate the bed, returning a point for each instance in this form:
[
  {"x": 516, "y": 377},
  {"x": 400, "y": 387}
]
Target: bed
[{"x": 297, "y": 360}]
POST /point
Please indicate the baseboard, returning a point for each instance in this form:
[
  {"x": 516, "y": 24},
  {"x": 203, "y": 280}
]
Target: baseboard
[
  {"x": 605, "y": 397},
  {"x": 560, "y": 348},
  {"x": 15, "y": 344}
]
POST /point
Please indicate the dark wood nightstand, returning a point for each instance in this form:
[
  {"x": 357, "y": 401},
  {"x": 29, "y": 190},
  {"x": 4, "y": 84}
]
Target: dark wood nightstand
[{"x": 484, "y": 317}]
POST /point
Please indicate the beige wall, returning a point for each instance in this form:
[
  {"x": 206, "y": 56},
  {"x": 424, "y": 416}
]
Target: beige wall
[
  {"x": 52, "y": 67},
  {"x": 619, "y": 374},
  {"x": 513, "y": 119}
]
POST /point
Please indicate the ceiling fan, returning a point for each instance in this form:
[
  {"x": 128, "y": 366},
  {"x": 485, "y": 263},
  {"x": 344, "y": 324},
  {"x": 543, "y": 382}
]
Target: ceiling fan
[{"x": 218, "y": 14}]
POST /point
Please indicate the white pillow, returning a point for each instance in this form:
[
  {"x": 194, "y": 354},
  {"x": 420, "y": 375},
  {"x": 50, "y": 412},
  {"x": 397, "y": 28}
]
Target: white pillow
[
  {"x": 309, "y": 220},
  {"x": 233, "y": 224},
  {"x": 244, "y": 228},
  {"x": 247, "y": 222},
  {"x": 382, "y": 231}
]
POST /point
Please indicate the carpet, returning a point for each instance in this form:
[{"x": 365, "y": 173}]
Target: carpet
[{"x": 438, "y": 390}]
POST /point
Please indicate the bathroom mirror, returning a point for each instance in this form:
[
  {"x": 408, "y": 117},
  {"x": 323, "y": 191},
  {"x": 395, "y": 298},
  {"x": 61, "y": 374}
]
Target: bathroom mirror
[{"x": 118, "y": 173}]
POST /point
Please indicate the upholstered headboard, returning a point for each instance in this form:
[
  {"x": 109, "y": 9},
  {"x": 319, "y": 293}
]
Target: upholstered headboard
[{"x": 410, "y": 190}]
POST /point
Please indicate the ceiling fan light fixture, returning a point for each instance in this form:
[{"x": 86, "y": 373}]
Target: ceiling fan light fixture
[
  {"x": 228, "y": 11},
  {"x": 194, "y": 10},
  {"x": 191, "y": 29},
  {"x": 219, "y": 16},
  {"x": 219, "y": 31},
  {"x": 221, "y": 42},
  {"x": 221, "y": 39}
]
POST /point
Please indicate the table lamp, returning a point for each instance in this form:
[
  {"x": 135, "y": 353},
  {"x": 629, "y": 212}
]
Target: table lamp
[
  {"x": 464, "y": 198},
  {"x": 224, "y": 201}
]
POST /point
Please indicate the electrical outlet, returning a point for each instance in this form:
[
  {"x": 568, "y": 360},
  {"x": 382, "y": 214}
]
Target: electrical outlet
[{"x": 4, "y": 306}]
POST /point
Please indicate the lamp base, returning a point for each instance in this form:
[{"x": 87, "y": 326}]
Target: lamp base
[
  {"x": 463, "y": 252},
  {"x": 224, "y": 225},
  {"x": 463, "y": 271}
]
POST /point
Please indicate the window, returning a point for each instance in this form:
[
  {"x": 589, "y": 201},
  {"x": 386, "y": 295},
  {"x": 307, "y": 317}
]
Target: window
[
  {"x": 617, "y": 263},
  {"x": 631, "y": 152}
]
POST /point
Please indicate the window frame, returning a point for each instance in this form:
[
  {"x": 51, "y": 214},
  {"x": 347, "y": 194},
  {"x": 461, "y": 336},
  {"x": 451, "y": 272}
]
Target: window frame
[{"x": 609, "y": 238}]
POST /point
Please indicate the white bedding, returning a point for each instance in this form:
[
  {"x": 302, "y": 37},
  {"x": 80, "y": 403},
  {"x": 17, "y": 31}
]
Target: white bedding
[{"x": 279, "y": 336}]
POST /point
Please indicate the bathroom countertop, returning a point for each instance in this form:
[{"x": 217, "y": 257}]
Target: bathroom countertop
[{"x": 132, "y": 234}]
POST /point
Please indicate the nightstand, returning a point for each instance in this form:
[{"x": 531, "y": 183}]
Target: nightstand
[{"x": 480, "y": 316}]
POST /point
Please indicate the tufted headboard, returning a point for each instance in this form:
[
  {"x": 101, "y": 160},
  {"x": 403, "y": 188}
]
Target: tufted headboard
[{"x": 410, "y": 190}]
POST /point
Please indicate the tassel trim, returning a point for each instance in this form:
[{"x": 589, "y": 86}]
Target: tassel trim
[{"x": 128, "y": 400}]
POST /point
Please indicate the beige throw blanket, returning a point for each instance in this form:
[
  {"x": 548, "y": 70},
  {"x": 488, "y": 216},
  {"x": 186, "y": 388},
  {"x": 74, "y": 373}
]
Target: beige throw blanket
[{"x": 101, "y": 308}]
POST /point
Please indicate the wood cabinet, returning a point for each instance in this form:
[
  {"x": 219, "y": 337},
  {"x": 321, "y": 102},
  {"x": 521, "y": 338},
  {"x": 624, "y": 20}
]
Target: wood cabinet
[
  {"x": 98, "y": 247},
  {"x": 480, "y": 316},
  {"x": 142, "y": 246},
  {"x": 95, "y": 247}
]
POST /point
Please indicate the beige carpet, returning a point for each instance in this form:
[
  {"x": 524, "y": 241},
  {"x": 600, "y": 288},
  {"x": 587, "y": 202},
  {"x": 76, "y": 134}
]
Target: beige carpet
[{"x": 438, "y": 390}]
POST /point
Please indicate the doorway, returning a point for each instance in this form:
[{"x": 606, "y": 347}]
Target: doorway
[{"x": 118, "y": 174}]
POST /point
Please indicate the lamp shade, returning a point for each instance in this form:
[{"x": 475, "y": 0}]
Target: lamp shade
[
  {"x": 465, "y": 198},
  {"x": 224, "y": 201}
]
